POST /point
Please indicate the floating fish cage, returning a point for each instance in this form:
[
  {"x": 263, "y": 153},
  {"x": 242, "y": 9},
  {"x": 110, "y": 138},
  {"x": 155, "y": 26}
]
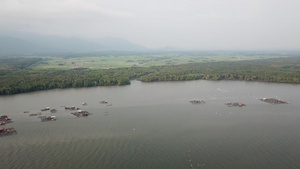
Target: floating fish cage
[
  {"x": 35, "y": 114},
  {"x": 5, "y": 131},
  {"x": 197, "y": 101},
  {"x": 53, "y": 110},
  {"x": 5, "y": 119},
  {"x": 71, "y": 108},
  {"x": 81, "y": 113},
  {"x": 273, "y": 101},
  {"x": 47, "y": 118},
  {"x": 235, "y": 104}
]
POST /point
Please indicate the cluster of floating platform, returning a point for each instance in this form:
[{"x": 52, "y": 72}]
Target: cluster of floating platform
[
  {"x": 43, "y": 117},
  {"x": 78, "y": 113},
  {"x": 5, "y": 131},
  {"x": 229, "y": 104},
  {"x": 238, "y": 104},
  {"x": 5, "y": 119}
]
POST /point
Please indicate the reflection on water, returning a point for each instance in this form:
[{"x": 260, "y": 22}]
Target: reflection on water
[{"x": 153, "y": 125}]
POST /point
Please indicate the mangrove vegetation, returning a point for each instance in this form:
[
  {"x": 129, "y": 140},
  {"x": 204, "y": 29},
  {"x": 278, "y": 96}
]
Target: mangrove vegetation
[{"x": 18, "y": 75}]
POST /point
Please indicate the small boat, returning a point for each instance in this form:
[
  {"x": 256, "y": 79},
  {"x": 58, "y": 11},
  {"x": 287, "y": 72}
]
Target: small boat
[
  {"x": 45, "y": 109},
  {"x": 84, "y": 103}
]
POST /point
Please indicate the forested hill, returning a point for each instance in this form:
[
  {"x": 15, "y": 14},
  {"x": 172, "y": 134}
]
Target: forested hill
[{"x": 282, "y": 70}]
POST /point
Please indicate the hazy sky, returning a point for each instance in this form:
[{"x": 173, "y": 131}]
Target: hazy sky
[{"x": 187, "y": 24}]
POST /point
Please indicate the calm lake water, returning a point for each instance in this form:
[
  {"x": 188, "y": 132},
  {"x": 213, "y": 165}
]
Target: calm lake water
[{"x": 154, "y": 126}]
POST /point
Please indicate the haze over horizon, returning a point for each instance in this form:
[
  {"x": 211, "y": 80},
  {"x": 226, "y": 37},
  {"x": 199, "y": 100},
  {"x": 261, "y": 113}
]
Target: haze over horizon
[{"x": 191, "y": 24}]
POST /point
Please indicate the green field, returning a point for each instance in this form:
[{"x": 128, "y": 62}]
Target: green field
[{"x": 119, "y": 61}]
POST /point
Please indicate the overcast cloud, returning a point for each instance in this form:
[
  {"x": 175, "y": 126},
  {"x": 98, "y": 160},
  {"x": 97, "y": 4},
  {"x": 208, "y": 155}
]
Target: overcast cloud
[{"x": 187, "y": 24}]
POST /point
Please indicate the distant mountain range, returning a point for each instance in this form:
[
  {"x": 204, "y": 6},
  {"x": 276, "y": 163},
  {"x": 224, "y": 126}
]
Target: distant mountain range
[{"x": 38, "y": 44}]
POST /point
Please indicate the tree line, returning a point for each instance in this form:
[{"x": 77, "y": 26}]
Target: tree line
[{"x": 283, "y": 70}]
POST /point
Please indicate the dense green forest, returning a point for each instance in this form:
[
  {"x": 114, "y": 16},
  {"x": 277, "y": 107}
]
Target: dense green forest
[{"x": 16, "y": 76}]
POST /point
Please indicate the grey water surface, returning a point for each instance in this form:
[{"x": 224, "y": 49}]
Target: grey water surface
[{"x": 154, "y": 126}]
